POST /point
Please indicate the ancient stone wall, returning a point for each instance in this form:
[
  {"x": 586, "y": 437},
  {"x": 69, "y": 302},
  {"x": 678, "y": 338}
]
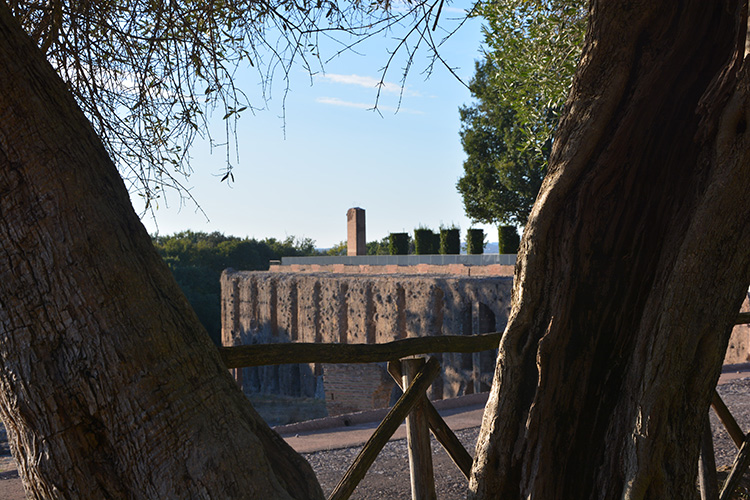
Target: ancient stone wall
[
  {"x": 263, "y": 307},
  {"x": 738, "y": 350},
  {"x": 362, "y": 306}
]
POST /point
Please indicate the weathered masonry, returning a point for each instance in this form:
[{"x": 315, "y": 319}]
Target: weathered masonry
[
  {"x": 367, "y": 303},
  {"x": 363, "y": 305}
]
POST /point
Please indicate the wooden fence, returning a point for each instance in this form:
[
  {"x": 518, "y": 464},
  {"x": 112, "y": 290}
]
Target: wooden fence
[{"x": 414, "y": 375}]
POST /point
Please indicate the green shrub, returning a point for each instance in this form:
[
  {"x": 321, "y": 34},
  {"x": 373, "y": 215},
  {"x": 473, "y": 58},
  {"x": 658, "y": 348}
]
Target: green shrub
[
  {"x": 450, "y": 241},
  {"x": 508, "y": 239},
  {"x": 381, "y": 247},
  {"x": 338, "y": 249},
  {"x": 423, "y": 241},
  {"x": 475, "y": 241},
  {"x": 398, "y": 243}
]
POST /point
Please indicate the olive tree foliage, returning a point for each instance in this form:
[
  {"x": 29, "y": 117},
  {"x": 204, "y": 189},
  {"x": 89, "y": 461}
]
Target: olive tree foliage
[
  {"x": 531, "y": 51},
  {"x": 533, "y": 47},
  {"x": 150, "y": 74}
]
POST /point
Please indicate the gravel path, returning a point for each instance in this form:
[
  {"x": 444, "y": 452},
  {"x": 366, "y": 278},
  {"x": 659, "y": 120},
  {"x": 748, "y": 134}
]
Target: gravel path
[
  {"x": 736, "y": 395},
  {"x": 388, "y": 478}
]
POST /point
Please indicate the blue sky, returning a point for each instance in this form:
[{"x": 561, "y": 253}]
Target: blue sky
[{"x": 298, "y": 175}]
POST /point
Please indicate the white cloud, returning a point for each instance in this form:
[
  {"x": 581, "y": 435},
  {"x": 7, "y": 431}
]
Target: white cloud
[
  {"x": 367, "y": 82},
  {"x": 335, "y": 101}
]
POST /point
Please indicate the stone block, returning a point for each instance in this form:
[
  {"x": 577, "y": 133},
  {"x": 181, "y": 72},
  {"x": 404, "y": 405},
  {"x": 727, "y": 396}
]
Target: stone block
[{"x": 372, "y": 389}]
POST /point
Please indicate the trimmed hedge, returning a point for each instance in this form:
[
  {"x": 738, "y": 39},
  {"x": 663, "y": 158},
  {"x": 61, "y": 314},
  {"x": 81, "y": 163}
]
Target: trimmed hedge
[
  {"x": 508, "y": 239},
  {"x": 475, "y": 241},
  {"x": 398, "y": 243},
  {"x": 423, "y": 241},
  {"x": 450, "y": 241}
]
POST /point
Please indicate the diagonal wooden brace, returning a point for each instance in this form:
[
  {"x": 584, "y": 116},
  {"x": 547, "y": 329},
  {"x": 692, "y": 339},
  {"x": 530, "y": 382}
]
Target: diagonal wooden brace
[
  {"x": 741, "y": 461},
  {"x": 727, "y": 419},
  {"x": 421, "y": 473},
  {"x": 440, "y": 429}
]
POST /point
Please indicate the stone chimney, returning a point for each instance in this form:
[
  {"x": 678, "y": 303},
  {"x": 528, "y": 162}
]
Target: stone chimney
[{"x": 355, "y": 230}]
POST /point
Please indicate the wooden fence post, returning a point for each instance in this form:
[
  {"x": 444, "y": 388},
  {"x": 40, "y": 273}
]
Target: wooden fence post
[
  {"x": 418, "y": 438},
  {"x": 385, "y": 430},
  {"x": 439, "y": 428}
]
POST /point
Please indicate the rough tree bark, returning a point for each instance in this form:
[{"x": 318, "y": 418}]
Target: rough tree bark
[
  {"x": 633, "y": 264},
  {"x": 109, "y": 386}
]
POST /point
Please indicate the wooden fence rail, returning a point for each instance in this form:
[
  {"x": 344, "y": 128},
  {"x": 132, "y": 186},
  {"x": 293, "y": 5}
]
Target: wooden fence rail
[
  {"x": 244, "y": 356},
  {"x": 743, "y": 318},
  {"x": 304, "y": 352}
]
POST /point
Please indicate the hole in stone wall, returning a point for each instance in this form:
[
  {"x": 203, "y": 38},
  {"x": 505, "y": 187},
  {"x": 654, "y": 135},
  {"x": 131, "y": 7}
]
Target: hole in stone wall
[
  {"x": 466, "y": 362},
  {"x": 401, "y": 311}
]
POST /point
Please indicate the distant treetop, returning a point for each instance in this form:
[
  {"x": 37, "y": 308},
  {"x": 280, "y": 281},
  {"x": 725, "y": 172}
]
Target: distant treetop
[
  {"x": 520, "y": 87},
  {"x": 197, "y": 259}
]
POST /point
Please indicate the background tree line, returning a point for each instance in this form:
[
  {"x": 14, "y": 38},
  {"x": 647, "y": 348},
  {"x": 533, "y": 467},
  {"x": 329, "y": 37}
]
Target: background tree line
[{"x": 197, "y": 259}]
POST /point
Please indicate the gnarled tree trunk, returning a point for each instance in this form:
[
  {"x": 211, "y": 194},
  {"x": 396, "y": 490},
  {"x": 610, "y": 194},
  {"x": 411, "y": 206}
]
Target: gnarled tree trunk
[
  {"x": 633, "y": 264},
  {"x": 109, "y": 386}
]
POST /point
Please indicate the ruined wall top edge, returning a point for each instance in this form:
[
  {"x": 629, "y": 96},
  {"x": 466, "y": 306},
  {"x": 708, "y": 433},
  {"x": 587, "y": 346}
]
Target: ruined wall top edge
[{"x": 228, "y": 274}]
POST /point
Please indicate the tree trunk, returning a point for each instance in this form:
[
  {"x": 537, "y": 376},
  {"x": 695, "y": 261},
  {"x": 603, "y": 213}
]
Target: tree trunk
[
  {"x": 109, "y": 386},
  {"x": 632, "y": 267}
]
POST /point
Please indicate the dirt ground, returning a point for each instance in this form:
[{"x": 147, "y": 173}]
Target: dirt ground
[{"x": 388, "y": 478}]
